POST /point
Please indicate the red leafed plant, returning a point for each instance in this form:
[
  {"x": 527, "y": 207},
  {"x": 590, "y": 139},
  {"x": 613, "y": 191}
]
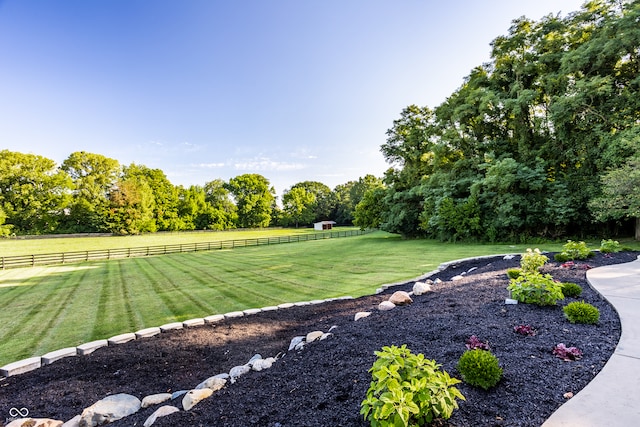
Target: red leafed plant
[
  {"x": 524, "y": 330},
  {"x": 567, "y": 353},
  {"x": 568, "y": 264},
  {"x": 474, "y": 342}
]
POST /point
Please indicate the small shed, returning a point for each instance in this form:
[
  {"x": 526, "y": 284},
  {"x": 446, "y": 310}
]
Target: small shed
[{"x": 323, "y": 225}]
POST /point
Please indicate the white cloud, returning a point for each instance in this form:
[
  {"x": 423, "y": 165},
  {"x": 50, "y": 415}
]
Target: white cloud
[
  {"x": 210, "y": 165},
  {"x": 266, "y": 164}
]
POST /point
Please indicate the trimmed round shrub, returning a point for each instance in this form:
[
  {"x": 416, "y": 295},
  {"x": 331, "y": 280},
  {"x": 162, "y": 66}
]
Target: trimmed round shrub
[
  {"x": 480, "y": 368},
  {"x": 581, "y": 312},
  {"x": 561, "y": 257},
  {"x": 571, "y": 290},
  {"x": 514, "y": 273}
]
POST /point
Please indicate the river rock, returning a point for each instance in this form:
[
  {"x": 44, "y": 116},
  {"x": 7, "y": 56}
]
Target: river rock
[
  {"x": 160, "y": 412},
  {"x": 421, "y": 288},
  {"x": 400, "y": 298},
  {"x": 194, "y": 396},
  {"x": 456, "y": 278},
  {"x": 155, "y": 399},
  {"x": 361, "y": 315},
  {"x": 313, "y": 336},
  {"x": 34, "y": 422},
  {"x": 73, "y": 422},
  {"x": 386, "y": 306},
  {"x": 295, "y": 341},
  {"x": 237, "y": 371},
  {"x": 259, "y": 365},
  {"x": 109, "y": 409},
  {"x": 214, "y": 383}
]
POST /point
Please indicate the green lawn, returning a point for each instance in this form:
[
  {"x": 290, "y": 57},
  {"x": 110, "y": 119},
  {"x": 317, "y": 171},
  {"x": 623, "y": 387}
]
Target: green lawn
[
  {"x": 47, "y": 308},
  {"x": 12, "y": 247}
]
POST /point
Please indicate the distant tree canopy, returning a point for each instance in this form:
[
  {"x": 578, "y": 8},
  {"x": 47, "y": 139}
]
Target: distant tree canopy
[
  {"x": 520, "y": 148},
  {"x": 92, "y": 193}
]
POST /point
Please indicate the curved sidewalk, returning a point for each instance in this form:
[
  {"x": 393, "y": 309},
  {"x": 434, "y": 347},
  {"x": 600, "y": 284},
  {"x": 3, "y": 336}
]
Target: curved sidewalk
[{"x": 611, "y": 399}]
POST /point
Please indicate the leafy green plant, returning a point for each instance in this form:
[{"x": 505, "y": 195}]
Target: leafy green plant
[
  {"x": 408, "y": 389},
  {"x": 571, "y": 290},
  {"x": 535, "y": 288},
  {"x": 581, "y": 312},
  {"x": 480, "y": 368},
  {"x": 573, "y": 250},
  {"x": 514, "y": 273},
  {"x": 532, "y": 260},
  {"x": 610, "y": 246}
]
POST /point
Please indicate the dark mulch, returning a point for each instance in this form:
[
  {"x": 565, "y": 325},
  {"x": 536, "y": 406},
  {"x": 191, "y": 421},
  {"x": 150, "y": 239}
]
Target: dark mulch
[{"x": 324, "y": 384}]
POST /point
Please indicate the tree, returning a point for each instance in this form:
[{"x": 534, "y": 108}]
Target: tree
[
  {"x": 165, "y": 196},
  {"x": 322, "y": 205},
  {"x": 93, "y": 176},
  {"x": 217, "y": 195},
  {"x": 131, "y": 207},
  {"x": 368, "y": 213},
  {"x": 33, "y": 193},
  {"x": 5, "y": 230},
  {"x": 620, "y": 196},
  {"x": 296, "y": 205},
  {"x": 254, "y": 199},
  {"x": 347, "y": 196}
]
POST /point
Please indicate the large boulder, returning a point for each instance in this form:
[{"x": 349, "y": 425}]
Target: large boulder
[{"x": 110, "y": 409}]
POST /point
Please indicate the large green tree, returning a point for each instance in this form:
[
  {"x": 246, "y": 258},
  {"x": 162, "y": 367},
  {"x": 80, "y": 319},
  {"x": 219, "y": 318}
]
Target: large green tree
[
  {"x": 33, "y": 192},
  {"x": 298, "y": 206},
  {"x": 94, "y": 177},
  {"x": 254, "y": 198},
  {"x": 620, "y": 197}
]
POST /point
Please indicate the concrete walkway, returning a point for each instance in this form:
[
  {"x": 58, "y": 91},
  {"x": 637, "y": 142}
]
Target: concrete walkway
[{"x": 611, "y": 399}]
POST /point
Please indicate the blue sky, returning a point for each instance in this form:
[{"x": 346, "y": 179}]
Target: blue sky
[{"x": 204, "y": 89}]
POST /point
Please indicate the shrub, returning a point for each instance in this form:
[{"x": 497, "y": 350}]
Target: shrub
[
  {"x": 581, "y": 312},
  {"x": 573, "y": 250},
  {"x": 535, "y": 288},
  {"x": 524, "y": 330},
  {"x": 514, "y": 273},
  {"x": 408, "y": 389},
  {"x": 571, "y": 290},
  {"x": 610, "y": 246},
  {"x": 480, "y": 368},
  {"x": 532, "y": 260},
  {"x": 567, "y": 353}
]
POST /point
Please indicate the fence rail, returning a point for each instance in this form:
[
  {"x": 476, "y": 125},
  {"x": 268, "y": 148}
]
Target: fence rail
[{"x": 108, "y": 254}]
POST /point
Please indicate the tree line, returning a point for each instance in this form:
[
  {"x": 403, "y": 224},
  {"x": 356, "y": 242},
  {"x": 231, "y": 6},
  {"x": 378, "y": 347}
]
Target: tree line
[
  {"x": 90, "y": 193},
  {"x": 541, "y": 141}
]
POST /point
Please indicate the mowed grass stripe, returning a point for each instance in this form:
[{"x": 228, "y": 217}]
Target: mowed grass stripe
[
  {"x": 32, "y": 324},
  {"x": 158, "y": 298}
]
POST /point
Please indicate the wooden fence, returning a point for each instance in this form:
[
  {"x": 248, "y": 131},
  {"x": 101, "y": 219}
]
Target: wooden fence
[{"x": 107, "y": 254}]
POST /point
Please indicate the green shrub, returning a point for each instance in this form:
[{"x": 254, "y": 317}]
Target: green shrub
[
  {"x": 514, "y": 273},
  {"x": 532, "y": 260},
  {"x": 479, "y": 368},
  {"x": 571, "y": 290},
  {"x": 535, "y": 288},
  {"x": 581, "y": 312},
  {"x": 561, "y": 257},
  {"x": 610, "y": 246},
  {"x": 575, "y": 250},
  {"x": 408, "y": 389}
]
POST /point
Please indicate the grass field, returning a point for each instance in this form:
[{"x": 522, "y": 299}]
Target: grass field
[
  {"x": 47, "y": 308},
  {"x": 12, "y": 247}
]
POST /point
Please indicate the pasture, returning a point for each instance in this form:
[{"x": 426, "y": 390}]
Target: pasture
[{"x": 47, "y": 308}]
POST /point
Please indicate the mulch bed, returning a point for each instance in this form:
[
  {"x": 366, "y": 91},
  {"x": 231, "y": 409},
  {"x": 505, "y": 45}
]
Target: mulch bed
[{"x": 324, "y": 384}]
